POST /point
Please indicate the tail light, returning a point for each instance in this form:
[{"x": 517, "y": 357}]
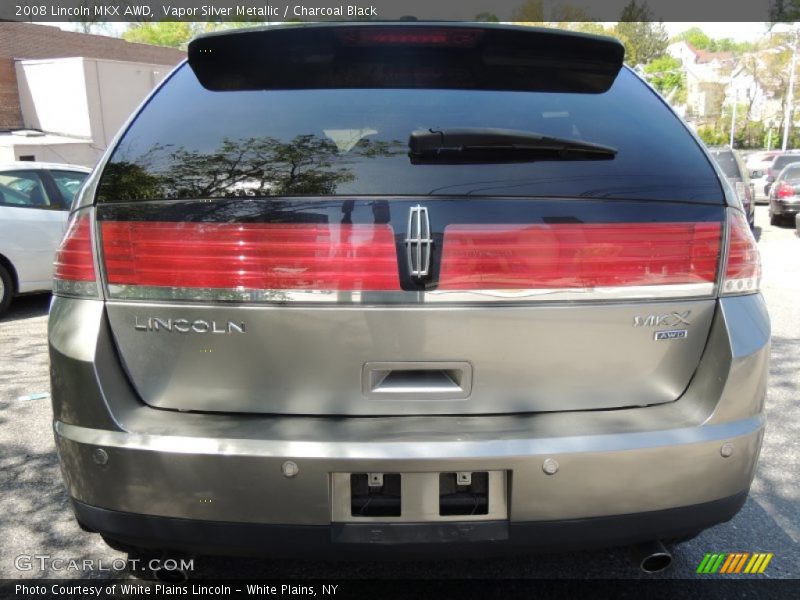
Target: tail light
[
  {"x": 74, "y": 266},
  {"x": 784, "y": 190},
  {"x": 743, "y": 266},
  {"x": 249, "y": 256},
  {"x": 578, "y": 255}
]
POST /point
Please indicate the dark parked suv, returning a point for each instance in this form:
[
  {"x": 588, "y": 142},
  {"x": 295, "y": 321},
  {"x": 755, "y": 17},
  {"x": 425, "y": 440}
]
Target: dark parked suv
[
  {"x": 779, "y": 164},
  {"x": 784, "y": 195},
  {"x": 405, "y": 289}
]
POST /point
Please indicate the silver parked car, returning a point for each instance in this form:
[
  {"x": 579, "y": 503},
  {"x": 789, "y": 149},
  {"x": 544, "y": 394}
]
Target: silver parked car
[
  {"x": 406, "y": 288},
  {"x": 35, "y": 198}
]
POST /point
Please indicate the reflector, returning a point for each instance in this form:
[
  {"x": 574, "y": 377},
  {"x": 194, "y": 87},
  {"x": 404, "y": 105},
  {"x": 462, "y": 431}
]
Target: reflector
[{"x": 743, "y": 269}]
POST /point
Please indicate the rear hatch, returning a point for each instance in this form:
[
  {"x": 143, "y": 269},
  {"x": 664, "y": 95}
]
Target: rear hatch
[{"x": 281, "y": 233}]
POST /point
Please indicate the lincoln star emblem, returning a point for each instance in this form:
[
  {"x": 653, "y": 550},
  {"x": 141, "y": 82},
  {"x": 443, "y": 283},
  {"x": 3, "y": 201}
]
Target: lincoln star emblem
[{"x": 418, "y": 242}]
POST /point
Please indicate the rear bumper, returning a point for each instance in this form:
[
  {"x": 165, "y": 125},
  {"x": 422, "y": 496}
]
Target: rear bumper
[
  {"x": 413, "y": 540},
  {"x": 214, "y": 483},
  {"x": 785, "y": 208},
  {"x": 228, "y": 496}
]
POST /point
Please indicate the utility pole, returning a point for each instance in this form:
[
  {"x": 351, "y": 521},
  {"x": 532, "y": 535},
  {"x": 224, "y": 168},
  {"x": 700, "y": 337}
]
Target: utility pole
[{"x": 787, "y": 115}]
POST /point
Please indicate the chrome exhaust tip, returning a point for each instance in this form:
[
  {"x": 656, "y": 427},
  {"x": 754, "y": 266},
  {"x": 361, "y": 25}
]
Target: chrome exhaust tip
[{"x": 652, "y": 557}]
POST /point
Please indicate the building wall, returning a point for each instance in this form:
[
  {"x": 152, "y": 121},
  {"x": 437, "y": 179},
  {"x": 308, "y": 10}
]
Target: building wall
[
  {"x": 23, "y": 41},
  {"x": 114, "y": 90},
  {"x": 29, "y": 41},
  {"x": 10, "y": 112},
  {"x": 75, "y": 154},
  {"x": 52, "y": 95},
  {"x": 83, "y": 97}
]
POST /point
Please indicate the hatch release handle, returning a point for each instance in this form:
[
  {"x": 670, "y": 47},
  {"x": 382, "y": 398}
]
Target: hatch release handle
[{"x": 423, "y": 381}]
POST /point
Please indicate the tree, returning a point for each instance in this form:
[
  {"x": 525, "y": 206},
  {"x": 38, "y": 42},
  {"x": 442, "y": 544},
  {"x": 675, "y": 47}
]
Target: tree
[
  {"x": 164, "y": 33},
  {"x": 698, "y": 39},
  {"x": 590, "y": 27},
  {"x": 712, "y": 136},
  {"x": 769, "y": 67},
  {"x": 487, "y": 17},
  {"x": 666, "y": 75},
  {"x": 644, "y": 40}
]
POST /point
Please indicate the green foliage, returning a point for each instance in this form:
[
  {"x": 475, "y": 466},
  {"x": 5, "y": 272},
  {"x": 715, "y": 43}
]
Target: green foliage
[
  {"x": 644, "y": 39},
  {"x": 487, "y": 17},
  {"x": 748, "y": 134},
  {"x": 665, "y": 74},
  {"x": 591, "y": 27},
  {"x": 165, "y": 33},
  {"x": 698, "y": 39},
  {"x": 178, "y": 34},
  {"x": 777, "y": 139},
  {"x": 711, "y": 136}
]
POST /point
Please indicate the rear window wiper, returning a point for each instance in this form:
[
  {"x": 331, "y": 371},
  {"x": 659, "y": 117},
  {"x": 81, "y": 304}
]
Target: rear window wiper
[{"x": 486, "y": 145}]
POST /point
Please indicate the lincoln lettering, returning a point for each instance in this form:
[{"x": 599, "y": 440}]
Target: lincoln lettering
[{"x": 187, "y": 325}]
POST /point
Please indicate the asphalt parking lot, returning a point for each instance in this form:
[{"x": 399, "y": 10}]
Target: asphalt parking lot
[{"x": 35, "y": 518}]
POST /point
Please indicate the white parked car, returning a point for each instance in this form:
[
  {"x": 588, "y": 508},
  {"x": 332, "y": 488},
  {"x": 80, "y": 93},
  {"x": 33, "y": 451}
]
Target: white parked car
[
  {"x": 757, "y": 166},
  {"x": 34, "y": 205}
]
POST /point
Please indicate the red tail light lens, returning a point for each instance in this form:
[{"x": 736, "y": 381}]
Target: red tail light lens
[
  {"x": 74, "y": 267},
  {"x": 251, "y": 256},
  {"x": 784, "y": 190},
  {"x": 568, "y": 256},
  {"x": 743, "y": 268}
]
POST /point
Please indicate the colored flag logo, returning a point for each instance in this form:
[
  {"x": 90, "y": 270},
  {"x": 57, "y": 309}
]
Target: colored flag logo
[{"x": 734, "y": 562}]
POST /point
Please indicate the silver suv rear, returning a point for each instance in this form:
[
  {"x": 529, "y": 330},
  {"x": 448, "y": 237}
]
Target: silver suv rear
[{"x": 406, "y": 288}]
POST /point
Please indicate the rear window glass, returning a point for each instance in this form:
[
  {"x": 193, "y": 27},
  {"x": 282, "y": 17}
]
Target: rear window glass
[
  {"x": 782, "y": 161},
  {"x": 189, "y": 142},
  {"x": 792, "y": 174},
  {"x": 727, "y": 162}
]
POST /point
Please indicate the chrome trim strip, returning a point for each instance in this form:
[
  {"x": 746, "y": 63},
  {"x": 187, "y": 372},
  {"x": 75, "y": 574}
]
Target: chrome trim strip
[
  {"x": 648, "y": 292},
  {"x": 408, "y": 450},
  {"x": 689, "y": 290}
]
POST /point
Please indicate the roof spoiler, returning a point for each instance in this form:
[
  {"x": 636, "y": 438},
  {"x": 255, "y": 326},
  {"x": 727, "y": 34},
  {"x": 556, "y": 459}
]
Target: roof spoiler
[{"x": 406, "y": 55}]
